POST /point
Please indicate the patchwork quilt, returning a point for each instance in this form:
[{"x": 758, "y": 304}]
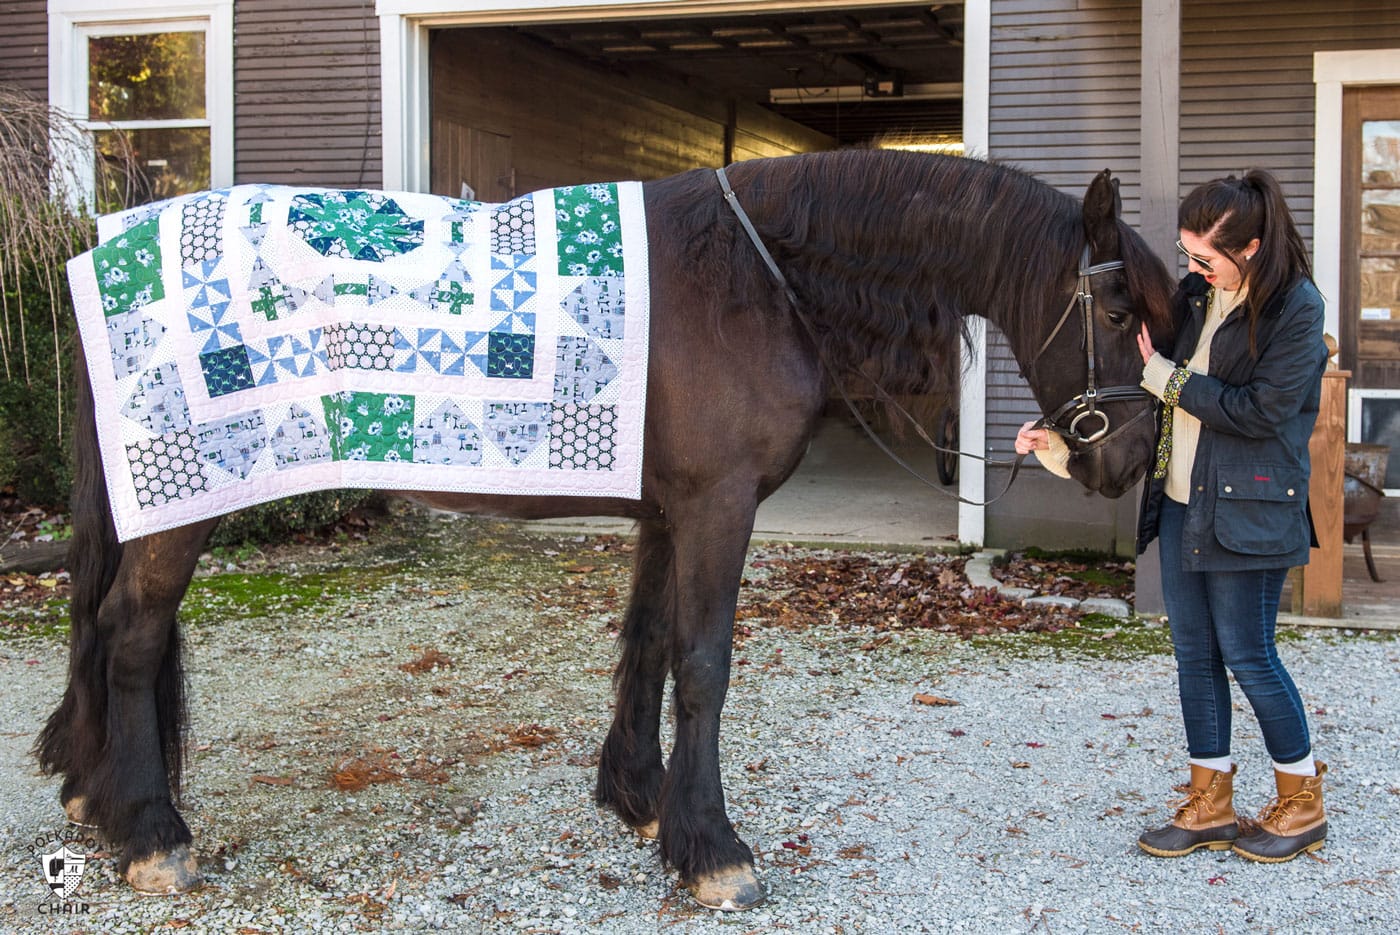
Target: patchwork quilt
[{"x": 261, "y": 341}]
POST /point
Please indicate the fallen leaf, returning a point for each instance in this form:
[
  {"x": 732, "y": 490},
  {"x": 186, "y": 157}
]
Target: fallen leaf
[
  {"x": 274, "y": 780},
  {"x": 934, "y": 700},
  {"x": 431, "y": 659}
]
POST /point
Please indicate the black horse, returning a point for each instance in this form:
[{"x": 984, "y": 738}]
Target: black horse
[{"x": 885, "y": 256}]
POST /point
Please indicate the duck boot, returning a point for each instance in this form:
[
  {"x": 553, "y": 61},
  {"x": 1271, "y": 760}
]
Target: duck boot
[
  {"x": 1205, "y": 818},
  {"x": 1290, "y": 824}
]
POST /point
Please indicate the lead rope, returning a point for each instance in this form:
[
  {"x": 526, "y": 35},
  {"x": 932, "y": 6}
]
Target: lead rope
[{"x": 1015, "y": 464}]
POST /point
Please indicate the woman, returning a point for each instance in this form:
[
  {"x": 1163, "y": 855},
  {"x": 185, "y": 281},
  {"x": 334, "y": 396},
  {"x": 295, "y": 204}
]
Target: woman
[{"x": 1228, "y": 500}]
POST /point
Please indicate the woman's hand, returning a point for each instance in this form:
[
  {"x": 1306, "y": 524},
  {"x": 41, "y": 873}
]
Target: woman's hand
[
  {"x": 1030, "y": 438},
  {"x": 1144, "y": 341}
]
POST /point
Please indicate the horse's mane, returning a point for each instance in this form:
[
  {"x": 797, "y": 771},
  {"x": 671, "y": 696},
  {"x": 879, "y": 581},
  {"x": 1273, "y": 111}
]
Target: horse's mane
[{"x": 889, "y": 251}]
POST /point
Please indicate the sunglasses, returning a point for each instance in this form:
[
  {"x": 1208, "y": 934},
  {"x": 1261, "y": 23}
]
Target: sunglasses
[{"x": 1203, "y": 264}]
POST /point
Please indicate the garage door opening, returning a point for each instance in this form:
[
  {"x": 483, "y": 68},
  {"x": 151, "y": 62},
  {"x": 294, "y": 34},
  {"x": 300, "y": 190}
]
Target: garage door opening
[
  {"x": 519, "y": 108},
  {"x": 523, "y": 107}
]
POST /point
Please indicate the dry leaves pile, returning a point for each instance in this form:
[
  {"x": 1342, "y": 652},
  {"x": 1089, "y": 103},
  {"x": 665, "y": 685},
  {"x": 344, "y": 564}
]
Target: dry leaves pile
[
  {"x": 1067, "y": 577},
  {"x": 885, "y": 594}
]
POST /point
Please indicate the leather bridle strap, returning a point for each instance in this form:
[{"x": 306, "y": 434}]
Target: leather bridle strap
[{"x": 1083, "y": 296}]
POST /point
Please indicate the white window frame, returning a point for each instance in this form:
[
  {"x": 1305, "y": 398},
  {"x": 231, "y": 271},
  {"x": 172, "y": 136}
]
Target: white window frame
[
  {"x": 1355, "y": 400},
  {"x": 73, "y": 22},
  {"x": 1333, "y": 71}
]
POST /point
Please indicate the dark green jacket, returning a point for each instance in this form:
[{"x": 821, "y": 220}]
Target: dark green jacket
[{"x": 1249, "y": 481}]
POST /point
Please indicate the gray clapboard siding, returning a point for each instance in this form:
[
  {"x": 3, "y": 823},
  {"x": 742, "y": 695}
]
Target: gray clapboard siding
[
  {"x": 306, "y": 93},
  {"x": 1247, "y": 93},
  {"x": 24, "y": 46},
  {"x": 1064, "y": 105}
]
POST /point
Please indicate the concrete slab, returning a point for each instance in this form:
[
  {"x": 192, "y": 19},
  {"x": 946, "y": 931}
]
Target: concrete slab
[{"x": 846, "y": 491}]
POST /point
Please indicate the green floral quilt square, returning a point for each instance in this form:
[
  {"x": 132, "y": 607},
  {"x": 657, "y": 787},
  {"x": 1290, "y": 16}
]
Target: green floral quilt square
[{"x": 370, "y": 426}]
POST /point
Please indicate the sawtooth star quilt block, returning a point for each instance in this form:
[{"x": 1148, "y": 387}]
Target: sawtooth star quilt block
[{"x": 262, "y": 341}]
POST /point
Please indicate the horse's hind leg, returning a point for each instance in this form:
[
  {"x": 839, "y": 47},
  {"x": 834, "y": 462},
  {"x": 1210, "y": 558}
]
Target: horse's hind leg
[
  {"x": 629, "y": 768},
  {"x": 126, "y": 698}
]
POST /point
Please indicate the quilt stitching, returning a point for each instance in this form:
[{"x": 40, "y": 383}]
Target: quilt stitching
[{"x": 261, "y": 341}]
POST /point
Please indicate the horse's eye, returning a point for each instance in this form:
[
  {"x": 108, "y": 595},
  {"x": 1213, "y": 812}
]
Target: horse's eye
[{"x": 1118, "y": 319}]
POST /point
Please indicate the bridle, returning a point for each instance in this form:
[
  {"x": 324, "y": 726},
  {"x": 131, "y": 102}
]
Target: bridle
[
  {"x": 1065, "y": 421},
  {"x": 1077, "y": 409}
]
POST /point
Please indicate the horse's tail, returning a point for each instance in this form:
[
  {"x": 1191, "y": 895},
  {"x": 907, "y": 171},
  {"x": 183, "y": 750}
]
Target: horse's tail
[
  {"x": 73, "y": 737},
  {"x": 73, "y": 741}
]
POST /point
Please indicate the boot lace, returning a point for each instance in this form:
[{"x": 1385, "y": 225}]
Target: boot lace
[
  {"x": 1276, "y": 812},
  {"x": 1197, "y": 799}
]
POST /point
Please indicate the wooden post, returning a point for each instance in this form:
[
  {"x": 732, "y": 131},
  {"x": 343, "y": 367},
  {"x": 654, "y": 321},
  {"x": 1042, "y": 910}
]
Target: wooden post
[{"x": 1318, "y": 590}]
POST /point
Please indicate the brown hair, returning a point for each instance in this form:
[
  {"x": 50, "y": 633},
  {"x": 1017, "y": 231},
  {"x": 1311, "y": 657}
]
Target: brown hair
[{"x": 1229, "y": 213}]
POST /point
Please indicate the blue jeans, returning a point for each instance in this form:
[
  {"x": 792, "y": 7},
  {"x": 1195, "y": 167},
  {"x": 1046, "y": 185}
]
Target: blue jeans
[{"x": 1225, "y": 620}]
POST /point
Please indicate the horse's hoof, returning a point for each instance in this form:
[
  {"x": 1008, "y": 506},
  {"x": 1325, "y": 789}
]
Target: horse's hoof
[
  {"x": 649, "y": 831},
  {"x": 164, "y": 874},
  {"x": 76, "y": 810},
  {"x": 730, "y": 890}
]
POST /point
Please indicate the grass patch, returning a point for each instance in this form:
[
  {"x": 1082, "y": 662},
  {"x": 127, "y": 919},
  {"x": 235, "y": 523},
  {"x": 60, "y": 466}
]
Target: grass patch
[{"x": 1096, "y": 637}]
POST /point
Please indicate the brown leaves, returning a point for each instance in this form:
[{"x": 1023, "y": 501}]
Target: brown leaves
[
  {"x": 377, "y": 764},
  {"x": 274, "y": 780},
  {"x": 1067, "y": 577},
  {"x": 430, "y": 659},
  {"x": 884, "y": 594},
  {"x": 351, "y": 774},
  {"x": 529, "y": 735},
  {"x": 933, "y": 700}
]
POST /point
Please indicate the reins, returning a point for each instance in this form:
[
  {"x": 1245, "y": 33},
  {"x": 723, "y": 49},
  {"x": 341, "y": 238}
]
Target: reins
[{"x": 1083, "y": 405}]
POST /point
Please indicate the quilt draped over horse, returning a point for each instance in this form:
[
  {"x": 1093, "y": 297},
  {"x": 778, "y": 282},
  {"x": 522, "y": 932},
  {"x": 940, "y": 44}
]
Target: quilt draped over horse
[{"x": 262, "y": 341}]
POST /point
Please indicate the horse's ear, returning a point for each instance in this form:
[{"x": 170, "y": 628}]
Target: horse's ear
[{"x": 1102, "y": 207}]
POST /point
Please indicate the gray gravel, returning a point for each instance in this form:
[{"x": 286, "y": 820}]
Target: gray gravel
[{"x": 1015, "y": 810}]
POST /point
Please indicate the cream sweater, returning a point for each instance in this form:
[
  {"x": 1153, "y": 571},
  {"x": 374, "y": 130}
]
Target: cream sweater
[{"x": 1186, "y": 428}]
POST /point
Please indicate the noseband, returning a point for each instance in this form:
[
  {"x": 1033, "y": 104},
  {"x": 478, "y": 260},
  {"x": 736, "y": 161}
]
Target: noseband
[{"x": 1066, "y": 420}]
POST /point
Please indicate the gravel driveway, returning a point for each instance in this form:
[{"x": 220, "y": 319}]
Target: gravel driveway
[{"x": 406, "y": 747}]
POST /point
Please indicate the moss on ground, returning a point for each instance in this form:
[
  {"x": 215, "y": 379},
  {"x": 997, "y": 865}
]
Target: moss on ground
[{"x": 1096, "y": 637}]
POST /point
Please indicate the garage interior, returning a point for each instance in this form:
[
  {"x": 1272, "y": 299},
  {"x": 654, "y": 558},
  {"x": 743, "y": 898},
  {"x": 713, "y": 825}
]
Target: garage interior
[
  {"x": 529, "y": 106},
  {"x": 522, "y": 107}
]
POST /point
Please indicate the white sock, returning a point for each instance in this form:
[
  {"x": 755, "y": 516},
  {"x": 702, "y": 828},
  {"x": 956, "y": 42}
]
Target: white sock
[
  {"x": 1304, "y": 767},
  {"x": 1221, "y": 764}
]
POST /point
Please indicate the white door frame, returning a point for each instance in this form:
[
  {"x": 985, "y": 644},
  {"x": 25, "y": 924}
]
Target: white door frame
[
  {"x": 1333, "y": 71},
  {"x": 405, "y": 100}
]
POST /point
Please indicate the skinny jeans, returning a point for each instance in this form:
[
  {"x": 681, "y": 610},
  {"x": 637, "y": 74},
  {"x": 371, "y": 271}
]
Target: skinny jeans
[{"x": 1226, "y": 620}]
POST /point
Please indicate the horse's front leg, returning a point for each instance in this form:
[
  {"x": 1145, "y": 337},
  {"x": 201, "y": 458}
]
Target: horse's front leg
[
  {"x": 629, "y": 767},
  {"x": 128, "y": 791},
  {"x": 710, "y": 537}
]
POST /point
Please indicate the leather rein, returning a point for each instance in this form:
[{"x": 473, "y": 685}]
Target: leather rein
[{"x": 1077, "y": 409}]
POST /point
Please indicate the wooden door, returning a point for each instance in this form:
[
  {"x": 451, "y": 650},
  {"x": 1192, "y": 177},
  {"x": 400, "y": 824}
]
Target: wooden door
[
  {"x": 1370, "y": 287},
  {"x": 479, "y": 159},
  {"x": 1370, "y": 300}
]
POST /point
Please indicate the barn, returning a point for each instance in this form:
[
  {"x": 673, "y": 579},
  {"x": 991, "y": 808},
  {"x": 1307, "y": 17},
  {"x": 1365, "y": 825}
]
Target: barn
[{"x": 493, "y": 97}]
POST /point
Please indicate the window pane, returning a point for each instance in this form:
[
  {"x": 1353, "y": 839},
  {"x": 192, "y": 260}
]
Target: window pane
[
  {"x": 153, "y": 76},
  {"x": 169, "y": 162},
  {"x": 1380, "y": 221},
  {"x": 1380, "y": 289}
]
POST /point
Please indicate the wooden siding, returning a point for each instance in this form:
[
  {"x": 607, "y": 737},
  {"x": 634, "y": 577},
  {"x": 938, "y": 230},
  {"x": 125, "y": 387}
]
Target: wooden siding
[
  {"x": 568, "y": 121},
  {"x": 1065, "y": 104},
  {"x": 24, "y": 46},
  {"x": 1247, "y": 92},
  {"x": 306, "y": 93}
]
